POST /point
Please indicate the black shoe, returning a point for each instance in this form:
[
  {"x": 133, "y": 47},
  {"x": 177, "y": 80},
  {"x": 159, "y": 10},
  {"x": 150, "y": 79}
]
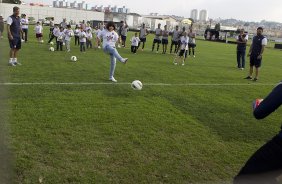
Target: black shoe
[
  {"x": 248, "y": 78},
  {"x": 255, "y": 79}
]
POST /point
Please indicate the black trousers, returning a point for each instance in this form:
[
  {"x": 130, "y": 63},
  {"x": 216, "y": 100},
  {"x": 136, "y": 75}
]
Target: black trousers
[
  {"x": 76, "y": 40},
  {"x": 59, "y": 45},
  {"x": 134, "y": 49},
  {"x": 264, "y": 166},
  {"x": 24, "y": 35}
]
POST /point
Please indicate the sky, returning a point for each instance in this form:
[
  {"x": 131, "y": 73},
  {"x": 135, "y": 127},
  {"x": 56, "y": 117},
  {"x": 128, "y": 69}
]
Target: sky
[{"x": 248, "y": 10}]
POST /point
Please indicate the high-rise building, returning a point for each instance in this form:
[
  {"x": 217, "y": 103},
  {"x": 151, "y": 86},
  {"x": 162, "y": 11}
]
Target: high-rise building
[
  {"x": 203, "y": 15},
  {"x": 194, "y": 14}
]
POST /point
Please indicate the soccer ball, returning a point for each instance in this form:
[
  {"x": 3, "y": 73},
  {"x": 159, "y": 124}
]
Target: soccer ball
[
  {"x": 136, "y": 85},
  {"x": 256, "y": 103},
  {"x": 51, "y": 49},
  {"x": 74, "y": 58},
  {"x": 42, "y": 41},
  {"x": 51, "y": 43}
]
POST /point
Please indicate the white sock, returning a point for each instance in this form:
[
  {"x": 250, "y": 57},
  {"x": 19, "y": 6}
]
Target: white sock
[
  {"x": 15, "y": 60},
  {"x": 11, "y": 60}
]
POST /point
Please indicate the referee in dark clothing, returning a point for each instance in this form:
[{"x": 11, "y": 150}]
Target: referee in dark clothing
[
  {"x": 266, "y": 164},
  {"x": 256, "y": 51}
]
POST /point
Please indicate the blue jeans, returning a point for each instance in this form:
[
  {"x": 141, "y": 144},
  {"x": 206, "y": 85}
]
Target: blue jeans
[
  {"x": 114, "y": 55},
  {"x": 241, "y": 55}
]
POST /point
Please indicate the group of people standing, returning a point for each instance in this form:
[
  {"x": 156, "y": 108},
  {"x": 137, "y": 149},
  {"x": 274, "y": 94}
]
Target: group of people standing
[{"x": 255, "y": 53}]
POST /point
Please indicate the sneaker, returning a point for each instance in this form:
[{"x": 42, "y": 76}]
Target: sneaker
[
  {"x": 142, "y": 50},
  {"x": 175, "y": 63},
  {"x": 242, "y": 68},
  {"x": 194, "y": 56},
  {"x": 113, "y": 79},
  {"x": 250, "y": 78},
  {"x": 125, "y": 60},
  {"x": 11, "y": 64},
  {"x": 255, "y": 79},
  {"x": 118, "y": 46},
  {"x": 183, "y": 64}
]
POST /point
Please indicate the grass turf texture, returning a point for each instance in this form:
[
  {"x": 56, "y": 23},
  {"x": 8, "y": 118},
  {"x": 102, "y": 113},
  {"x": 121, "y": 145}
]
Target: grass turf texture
[{"x": 113, "y": 134}]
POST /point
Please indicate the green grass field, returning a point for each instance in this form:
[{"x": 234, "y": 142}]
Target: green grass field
[{"x": 191, "y": 131}]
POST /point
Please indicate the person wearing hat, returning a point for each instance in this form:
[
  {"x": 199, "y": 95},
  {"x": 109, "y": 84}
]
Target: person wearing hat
[
  {"x": 255, "y": 53},
  {"x": 1, "y": 26}
]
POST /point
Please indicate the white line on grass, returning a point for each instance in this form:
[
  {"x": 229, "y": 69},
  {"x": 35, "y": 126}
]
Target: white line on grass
[{"x": 145, "y": 84}]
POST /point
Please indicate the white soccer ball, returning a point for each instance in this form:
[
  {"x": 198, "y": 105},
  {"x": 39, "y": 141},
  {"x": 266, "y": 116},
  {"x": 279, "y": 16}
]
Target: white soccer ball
[
  {"x": 74, "y": 58},
  {"x": 136, "y": 85},
  {"x": 42, "y": 41},
  {"x": 51, "y": 43},
  {"x": 51, "y": 49}
]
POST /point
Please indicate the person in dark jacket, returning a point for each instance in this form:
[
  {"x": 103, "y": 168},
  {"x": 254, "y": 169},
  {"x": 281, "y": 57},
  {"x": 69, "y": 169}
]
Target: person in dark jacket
[{"x": 266, "y": 164}]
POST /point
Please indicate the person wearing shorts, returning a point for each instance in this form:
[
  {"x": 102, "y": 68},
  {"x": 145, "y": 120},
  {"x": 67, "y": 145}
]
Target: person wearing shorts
[
  {"x": 256, "y": 51},
  {"x": 14, "y": 35}
]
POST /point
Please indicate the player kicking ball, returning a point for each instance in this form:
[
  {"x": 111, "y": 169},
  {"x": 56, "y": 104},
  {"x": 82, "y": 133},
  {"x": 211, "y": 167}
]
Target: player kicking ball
[{"x": 110, "y": 37}]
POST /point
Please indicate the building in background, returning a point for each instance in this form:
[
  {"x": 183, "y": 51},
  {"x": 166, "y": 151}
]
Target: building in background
[
  {"x": 203, "y": 16},
  {"x": 194, "y": 15}
]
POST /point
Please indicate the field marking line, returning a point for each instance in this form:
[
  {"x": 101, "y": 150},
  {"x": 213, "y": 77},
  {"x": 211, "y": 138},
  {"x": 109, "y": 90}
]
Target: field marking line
[{"x": 145, "y": 84}]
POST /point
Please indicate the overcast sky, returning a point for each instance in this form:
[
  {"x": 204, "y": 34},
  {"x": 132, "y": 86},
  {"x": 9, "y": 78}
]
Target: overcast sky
[{"x": 248, "y": 10}]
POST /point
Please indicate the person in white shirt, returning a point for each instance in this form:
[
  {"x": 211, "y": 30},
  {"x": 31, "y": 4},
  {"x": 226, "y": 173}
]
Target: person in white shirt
[
  {"x": 134, "y": 43},
  {"x": 142, "y": 36},
  {"x": 24, "y": 22},
  {"x": 183, "y": 48},
  {"x": 54, "y": 34},
  {"x": 110, "y": 37},
  {"x": 89, "y": 38},
  {"x": 39, "y": 32},
  {"x": 60, "y": 39},
  {"x": 157, "y": 39},
  {"x": 192, "y": 42},
  {"x": 82, "y": 39},
  {"x": 68, "y": 34},
  {"x": 52, "y": 25}
]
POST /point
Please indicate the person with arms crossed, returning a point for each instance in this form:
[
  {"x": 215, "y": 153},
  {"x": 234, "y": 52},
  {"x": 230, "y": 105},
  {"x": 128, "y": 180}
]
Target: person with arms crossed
[
  {"x": 142, "y": 36},
  {"x": 110, "y": 37},
  {"x": 157, "y": 38},
  {"x": 256, "y": 51},
  {"x": 175, "y": 37},
  {"x": 165, "y": 34},
  {"x": 192, "y": 42},
  {"x": 14, "y": 35}
]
